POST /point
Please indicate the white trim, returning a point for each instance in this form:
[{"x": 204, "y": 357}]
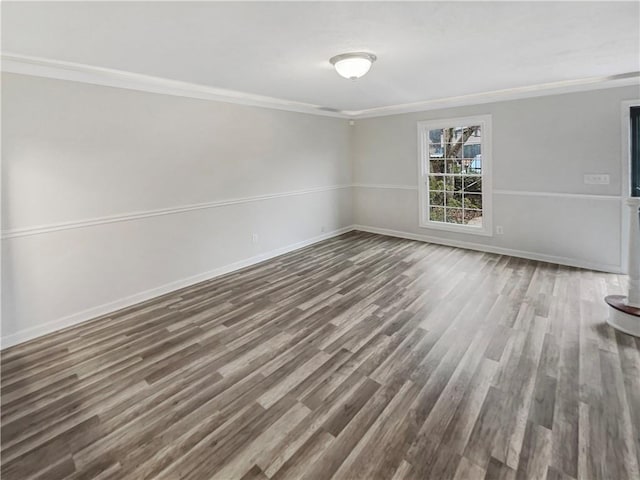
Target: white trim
[
  {"x": 125, "y": 217},
  {"x": 571, "y": 262},
  {"x": 101, "y": 310},
  {"x": 586, "y": 196},
  {"x": 40, "y": 229},
  {"x": 625, "y": 158},
  {"x": 625, "y": 122},
  {"x": 589, "y": 196},
  {"x": 385, "y": 186},
  {"x": 77, "y": 72},
  {"x": 540, "y": 90},
  {"x": 487, "y": 154}
]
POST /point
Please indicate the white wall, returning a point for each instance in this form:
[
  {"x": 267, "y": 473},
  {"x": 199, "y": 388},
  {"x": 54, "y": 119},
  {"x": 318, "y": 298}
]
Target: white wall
[
  {"x": 112, "y": 196},
  {"x": 542, "y": 147},
  {"x": 92, "y": 178}
]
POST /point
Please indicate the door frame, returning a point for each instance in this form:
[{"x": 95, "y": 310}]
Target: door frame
[{"x": 625, "y": 177}]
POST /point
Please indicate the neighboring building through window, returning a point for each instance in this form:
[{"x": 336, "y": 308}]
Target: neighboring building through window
[{"x": 455, "y": 186}]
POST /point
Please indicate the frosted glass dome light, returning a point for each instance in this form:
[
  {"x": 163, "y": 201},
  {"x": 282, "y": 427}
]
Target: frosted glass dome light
[{"x": 353, "y": 65}]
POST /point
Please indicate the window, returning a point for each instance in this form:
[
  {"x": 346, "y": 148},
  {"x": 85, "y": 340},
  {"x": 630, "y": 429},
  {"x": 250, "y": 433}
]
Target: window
[
  {"x": 635, "y": 151},
  {"x": 455, "y": 169}
]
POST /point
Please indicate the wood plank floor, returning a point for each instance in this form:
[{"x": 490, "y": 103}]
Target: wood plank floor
[{"x": 363, "y": 356}]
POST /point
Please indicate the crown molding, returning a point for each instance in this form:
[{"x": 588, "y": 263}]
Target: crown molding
[
  {"x": 540, "y": 90},
  {"x": 77, "y": 72}
]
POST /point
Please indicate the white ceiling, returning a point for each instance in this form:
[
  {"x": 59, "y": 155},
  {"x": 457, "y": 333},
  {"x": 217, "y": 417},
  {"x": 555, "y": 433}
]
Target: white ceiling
[{"x": 426, "y": 50}]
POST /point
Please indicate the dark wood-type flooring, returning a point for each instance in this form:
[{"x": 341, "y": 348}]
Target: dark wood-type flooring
[{"x": 363, "y": 356}]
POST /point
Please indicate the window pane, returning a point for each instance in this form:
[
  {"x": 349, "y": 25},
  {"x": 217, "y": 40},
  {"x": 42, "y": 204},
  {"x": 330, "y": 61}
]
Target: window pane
[
  {"x": 448, "y": 135},
  {"x": 472, "y": 134},
  {"x": 473, "y": 218},
  {"x": 454, "y": 200},
  {"x": 450, "y": 183},
  {"x": 453, "y": 150},
  {"x": 436, "y": 151},
  {"x": 473, "y": 200},
  {"x": 436, "y": 214},
  {"x": 474, "y": 165},
  {"x": 436, "y": 166},
  {"x": 436, "y": 182},
  {"x": 453, "y": 183},
  {"x": 454, "y": 166},
  {"x": 454, "y": 215},
  {"x": 472, "y": 184},
  {"x": 436, "y": 198},
  {"x": 470, "y": 151},
  {"x": 435, "y": 136}
]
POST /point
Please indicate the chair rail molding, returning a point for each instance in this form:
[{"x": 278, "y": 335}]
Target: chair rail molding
[
  {"x": 524, "y": 193},
  {"x": 124, "y": 217}
]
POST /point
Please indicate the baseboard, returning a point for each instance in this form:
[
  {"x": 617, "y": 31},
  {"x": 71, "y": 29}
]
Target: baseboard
[
  {"x": 101, "y": 310},
  {"x": 570, "y": 262}
]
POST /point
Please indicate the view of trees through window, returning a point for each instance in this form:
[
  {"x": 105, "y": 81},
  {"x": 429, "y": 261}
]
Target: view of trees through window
[{"x": 455, "y": 175}]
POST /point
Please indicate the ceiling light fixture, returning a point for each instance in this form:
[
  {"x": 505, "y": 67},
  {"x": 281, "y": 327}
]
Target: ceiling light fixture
[{"x": 353, "y": 65}]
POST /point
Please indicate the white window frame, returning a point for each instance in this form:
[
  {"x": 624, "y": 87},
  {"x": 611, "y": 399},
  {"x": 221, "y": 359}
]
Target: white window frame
[{"x": 423, "y": 169}]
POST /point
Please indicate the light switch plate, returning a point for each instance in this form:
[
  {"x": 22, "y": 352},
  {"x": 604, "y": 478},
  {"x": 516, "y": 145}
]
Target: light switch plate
[{"x": 597, "y": 179}]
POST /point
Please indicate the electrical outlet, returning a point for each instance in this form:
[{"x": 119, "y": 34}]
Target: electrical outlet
[
  {"x": 254, "y": 238},
  {"x": 499, "y": 230},
  {"x": 596, "y": 179}
]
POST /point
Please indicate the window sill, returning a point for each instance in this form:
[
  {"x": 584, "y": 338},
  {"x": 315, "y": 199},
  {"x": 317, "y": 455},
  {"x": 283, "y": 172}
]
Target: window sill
[{"x": 485, "y": 231}]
